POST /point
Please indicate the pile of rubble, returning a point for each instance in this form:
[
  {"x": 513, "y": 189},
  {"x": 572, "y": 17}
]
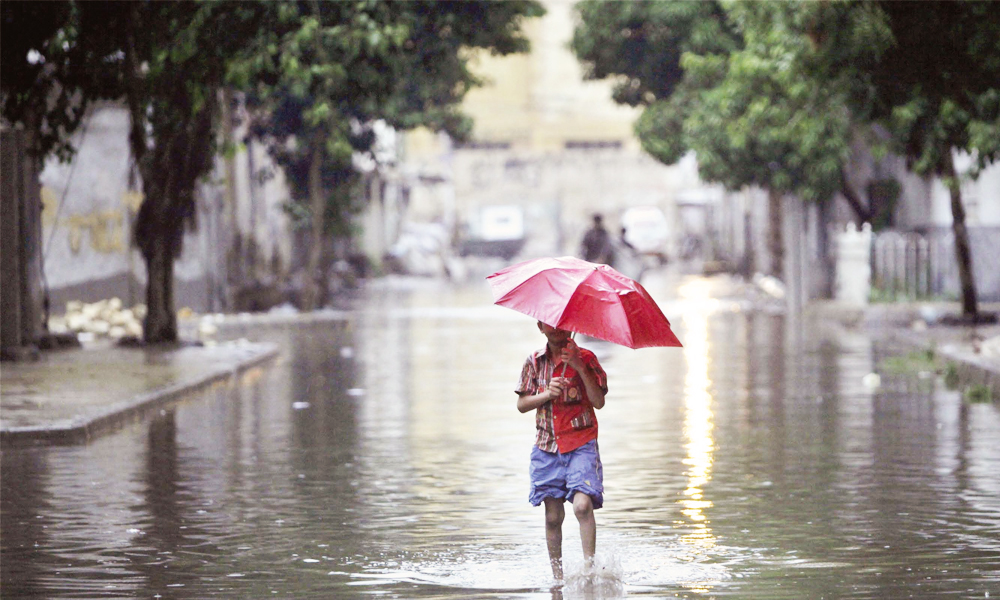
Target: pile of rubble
[{"x": 105, "y": 318}]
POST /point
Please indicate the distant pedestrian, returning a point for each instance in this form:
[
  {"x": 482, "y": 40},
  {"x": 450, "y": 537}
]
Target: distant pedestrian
[
  {"x": 597, "y": 246},
  {"x": 565, "y": 462},
  {"x": 626, "y": 259},
  {"x": 623, "y": 239}
]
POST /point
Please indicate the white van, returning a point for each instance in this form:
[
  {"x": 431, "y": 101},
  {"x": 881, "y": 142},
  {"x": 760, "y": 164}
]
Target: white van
[{"x": 646, "y": 228}]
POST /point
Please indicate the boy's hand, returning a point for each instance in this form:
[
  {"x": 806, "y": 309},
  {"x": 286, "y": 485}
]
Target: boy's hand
[
  {"x": 571, "y": 355},
  {"x": 555, "y": 387}
]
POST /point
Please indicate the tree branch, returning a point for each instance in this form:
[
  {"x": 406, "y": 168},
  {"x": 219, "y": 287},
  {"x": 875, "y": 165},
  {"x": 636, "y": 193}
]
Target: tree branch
[{"x": 864, "y": 213}]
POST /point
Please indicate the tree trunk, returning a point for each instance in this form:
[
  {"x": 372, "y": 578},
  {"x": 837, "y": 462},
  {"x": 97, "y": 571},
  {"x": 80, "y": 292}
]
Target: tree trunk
[
  {"x": 963, "y": 253},
  {"x": 317, "y": 204},
  {"x": 775, "y": 247},
  {"x": 854, "y": 201},
  {"x": 160, "y": 324}
]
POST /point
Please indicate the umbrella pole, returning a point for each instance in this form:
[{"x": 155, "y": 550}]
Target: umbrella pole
[{"x": 571, "y": 335}]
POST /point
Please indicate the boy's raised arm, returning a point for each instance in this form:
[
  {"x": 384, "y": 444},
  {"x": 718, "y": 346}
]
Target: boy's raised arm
[{"x": 526, "y": 402}]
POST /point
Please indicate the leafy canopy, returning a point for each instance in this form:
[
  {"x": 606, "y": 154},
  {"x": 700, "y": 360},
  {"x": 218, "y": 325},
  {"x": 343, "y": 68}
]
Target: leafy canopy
[
  {"x": 763, "y": 101},
  {"x": 937, "y": 88},
  {"x": 326, "y": 72}
]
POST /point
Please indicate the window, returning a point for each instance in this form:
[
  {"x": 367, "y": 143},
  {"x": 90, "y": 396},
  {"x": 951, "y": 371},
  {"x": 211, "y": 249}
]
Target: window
[
  {"x": 484, "y": 145},
  {"x": 593, "y": 144}
]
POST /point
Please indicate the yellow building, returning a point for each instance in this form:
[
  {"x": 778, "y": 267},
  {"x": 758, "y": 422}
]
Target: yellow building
[{"x": 540, "y": 101}]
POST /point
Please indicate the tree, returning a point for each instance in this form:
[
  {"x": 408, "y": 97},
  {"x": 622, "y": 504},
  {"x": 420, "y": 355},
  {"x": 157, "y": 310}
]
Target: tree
[
  {"x": 640, "y": 44},
  {"x": 175, "y": 65},
  {"x": 775, "y": 113},
  {"x": 763, "y": 64},
  {"x": 937, "y": 90},
  {"x": 329, "y": 70},
  {"x": 739, "y": 92},
  {"x": 49, "y": 72},
  {"x": 167, "y": 61},
  {"x": 780, "y": 110}
]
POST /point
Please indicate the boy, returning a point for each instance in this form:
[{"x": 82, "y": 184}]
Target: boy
[{"x": 564, "y": 383}]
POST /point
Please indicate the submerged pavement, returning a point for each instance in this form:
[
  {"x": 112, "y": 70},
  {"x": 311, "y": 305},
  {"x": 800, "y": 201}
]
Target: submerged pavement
[
  {"x": 974, "y": 351},
  {"x": 72, "y": 395}
]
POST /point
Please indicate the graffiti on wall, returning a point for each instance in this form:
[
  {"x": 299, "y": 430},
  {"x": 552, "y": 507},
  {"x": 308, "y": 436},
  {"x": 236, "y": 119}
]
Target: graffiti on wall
[{"x": 106, "y": 229}]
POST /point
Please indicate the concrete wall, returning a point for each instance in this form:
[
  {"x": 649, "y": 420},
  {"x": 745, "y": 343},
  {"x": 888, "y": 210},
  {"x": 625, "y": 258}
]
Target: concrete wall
[
  {"x": 924, "y": 201},
  {"x": 90, "y": 204}
]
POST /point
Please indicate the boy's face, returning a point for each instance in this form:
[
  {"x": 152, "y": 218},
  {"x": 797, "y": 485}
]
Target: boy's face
[{"x": 556, "y": 337}]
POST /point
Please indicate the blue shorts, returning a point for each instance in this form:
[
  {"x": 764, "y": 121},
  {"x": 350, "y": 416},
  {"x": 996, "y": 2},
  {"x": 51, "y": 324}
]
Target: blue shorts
[{"x": 555, "y": 475}]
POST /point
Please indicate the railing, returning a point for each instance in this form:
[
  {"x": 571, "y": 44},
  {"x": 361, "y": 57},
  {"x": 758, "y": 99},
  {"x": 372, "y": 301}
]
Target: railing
[{"x": 913, "y": 266}]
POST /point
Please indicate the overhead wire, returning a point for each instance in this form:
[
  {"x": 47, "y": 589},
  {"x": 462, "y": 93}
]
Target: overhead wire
[{"x": 55, "y": 222}]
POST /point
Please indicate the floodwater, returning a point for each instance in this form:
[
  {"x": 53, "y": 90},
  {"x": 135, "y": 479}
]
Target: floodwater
[{"x": 384, "y": 458}]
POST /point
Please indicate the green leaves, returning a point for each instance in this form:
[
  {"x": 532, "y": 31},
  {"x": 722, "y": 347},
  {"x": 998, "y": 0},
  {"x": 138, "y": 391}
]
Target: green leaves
[
  {"x": 940, "y": 96},
  {"x": 324, "y": 72},
  {"x": 758, "y": 90},
  {"x": 661, "y": 129},
  {"x": 642, "y": 43}
]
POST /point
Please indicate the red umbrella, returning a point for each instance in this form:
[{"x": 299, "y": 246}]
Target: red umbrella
[{"x": 588, "y": 298}]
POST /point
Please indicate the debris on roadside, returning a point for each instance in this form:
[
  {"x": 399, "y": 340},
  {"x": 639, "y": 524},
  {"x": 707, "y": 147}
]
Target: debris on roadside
[{"x": 102, "y": 319}]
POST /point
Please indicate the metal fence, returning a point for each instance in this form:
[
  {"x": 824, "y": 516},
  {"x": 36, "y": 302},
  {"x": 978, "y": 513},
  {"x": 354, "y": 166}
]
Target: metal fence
[
  {"x": 912, "y": 265},
  {"x": 922, "y": 266}
]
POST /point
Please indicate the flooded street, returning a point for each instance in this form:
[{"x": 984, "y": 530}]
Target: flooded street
[{"x": 384, "y": 457}]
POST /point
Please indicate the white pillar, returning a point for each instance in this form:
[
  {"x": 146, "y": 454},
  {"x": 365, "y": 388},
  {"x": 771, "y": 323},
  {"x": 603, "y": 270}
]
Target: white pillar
[{"x": 854, "y": 265}]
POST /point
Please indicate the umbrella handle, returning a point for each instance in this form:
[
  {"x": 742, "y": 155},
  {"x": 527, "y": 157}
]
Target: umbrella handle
[
  {"x": 562, "y": 393},
  {"x": 571, "y": 335}
]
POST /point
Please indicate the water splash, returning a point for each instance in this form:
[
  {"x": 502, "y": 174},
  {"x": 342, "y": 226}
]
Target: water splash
[{"x": 602, "y": 577}]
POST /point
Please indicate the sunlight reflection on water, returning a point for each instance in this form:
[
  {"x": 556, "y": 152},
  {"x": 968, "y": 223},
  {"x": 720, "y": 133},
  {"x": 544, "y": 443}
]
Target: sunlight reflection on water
[{"x": 698, "y": 427}]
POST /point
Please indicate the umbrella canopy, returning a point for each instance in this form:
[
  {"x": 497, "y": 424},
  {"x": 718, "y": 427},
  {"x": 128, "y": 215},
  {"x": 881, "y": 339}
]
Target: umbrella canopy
[{"x": 588, "y": 298}]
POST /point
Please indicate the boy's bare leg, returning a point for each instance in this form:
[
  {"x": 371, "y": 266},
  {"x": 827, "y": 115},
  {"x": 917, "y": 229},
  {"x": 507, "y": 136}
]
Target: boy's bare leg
[
  {"x": 583, "y": 507},
  {"x": 554, "y": 515}
]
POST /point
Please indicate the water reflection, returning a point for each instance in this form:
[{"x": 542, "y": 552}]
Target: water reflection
[
  {"x": 698, "y": 426},
  {"x": 27, "y": 551}
]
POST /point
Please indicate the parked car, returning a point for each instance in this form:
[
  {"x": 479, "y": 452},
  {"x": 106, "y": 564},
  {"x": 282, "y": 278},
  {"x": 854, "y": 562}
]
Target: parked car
[
  {"x": 498, "y": 231},
  {"x": 647, "y": 230}
]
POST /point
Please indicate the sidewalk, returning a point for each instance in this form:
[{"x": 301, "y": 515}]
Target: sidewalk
[
  {"x": 974, "y": 351},
  {"x": 72, "y": 395}
]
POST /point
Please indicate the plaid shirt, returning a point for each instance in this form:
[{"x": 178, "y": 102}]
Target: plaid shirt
[{"x": 568, "y": 422}]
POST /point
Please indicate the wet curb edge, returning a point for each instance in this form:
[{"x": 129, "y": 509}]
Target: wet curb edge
[
  {"x": 117, "y": 415},
  {"x": 970, "y": 369}
]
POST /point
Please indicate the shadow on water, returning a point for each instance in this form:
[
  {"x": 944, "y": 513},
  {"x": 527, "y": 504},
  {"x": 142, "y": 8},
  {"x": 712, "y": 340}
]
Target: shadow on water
[{"x": 384, "y": 457}]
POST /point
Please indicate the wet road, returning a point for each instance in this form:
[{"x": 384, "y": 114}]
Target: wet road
[{"x": 385, "y": 458}]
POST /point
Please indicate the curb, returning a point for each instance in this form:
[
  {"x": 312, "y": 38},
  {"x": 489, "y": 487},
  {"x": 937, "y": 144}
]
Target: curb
[
  {"x": 83, "y": 430},
  {"x": 971, "y": 370},
  {"x": 894, "y": 320}
]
